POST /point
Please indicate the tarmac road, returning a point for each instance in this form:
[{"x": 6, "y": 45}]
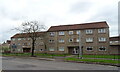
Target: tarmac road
[{"x": 11, "y": 63}]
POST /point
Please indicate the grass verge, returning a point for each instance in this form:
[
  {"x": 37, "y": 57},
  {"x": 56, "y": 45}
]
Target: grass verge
[{"x": 94, "y": 60}]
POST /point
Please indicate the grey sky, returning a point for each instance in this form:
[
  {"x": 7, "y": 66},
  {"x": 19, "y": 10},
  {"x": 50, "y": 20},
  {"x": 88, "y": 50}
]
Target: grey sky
[{"x": 56, "y": 12}]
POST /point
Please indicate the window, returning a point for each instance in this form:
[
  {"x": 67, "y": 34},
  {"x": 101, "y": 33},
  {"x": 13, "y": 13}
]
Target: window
[
  {"x": 89, "y": 39},
  {"x": 102, "y": 39},
  {"x": 71, "y": 40},
  {"x": 28, "y": 38},
  {"x": 40, "y": 38},
  {"x": 89, "y": 48},
  {"x": 61, "y": 48},
  {"x": 52, "y": 33},
  {"x": 51, "y": 49},
  {"x": 19, "y": 44},
  {"x": 77, "y": 32},
  {"x": 77, "y": 40},
  {"x": 25, "y": 44},
  {"x": 19, "y": 38},
  {"x": 13, "y": 39},
  {"x": 61, "y": 40},
  {"x": 102, "y": 48},
  {"x": 61, "y": 33},
  {"x": 70, "y": 32},
  {"x": 101, "y": 30},
  {"x": 51, "y": 41},
  {"x": 40, "y": 49},
  {"x": 89, "y": 31},
  {"x": 41, "y": 43}
]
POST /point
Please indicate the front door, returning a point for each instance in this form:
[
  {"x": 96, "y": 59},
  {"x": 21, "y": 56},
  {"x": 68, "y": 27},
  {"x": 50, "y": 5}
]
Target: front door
[
  {"x": 75, "y": 51},
  {"x": 26, "y": 49}
]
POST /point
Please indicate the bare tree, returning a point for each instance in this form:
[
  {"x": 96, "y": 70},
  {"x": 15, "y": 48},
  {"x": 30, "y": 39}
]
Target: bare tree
[{"x": 31, "y": 28}]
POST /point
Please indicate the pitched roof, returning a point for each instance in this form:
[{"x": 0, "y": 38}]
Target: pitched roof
[
  {"x": 92, "y": 25},
  {"x": 22, "y": 35},
  {"x": 115, "y": 38}
]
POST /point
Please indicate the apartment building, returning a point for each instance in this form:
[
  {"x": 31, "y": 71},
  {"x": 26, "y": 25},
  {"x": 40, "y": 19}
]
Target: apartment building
[
  {"x": 21, "y": 42},
  {"x": 66, "y": 39}
]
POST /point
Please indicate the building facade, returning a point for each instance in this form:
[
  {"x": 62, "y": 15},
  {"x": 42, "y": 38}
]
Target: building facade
[
  {"x": 66, "y": 39},
  {"x": 115, "y": 45}
]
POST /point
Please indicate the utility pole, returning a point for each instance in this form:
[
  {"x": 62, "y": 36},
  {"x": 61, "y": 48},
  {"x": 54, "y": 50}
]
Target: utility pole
[{"x": 80, "y": 46}]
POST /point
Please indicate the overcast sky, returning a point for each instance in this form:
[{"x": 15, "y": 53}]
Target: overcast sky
[{"x": 56, "y": 12}]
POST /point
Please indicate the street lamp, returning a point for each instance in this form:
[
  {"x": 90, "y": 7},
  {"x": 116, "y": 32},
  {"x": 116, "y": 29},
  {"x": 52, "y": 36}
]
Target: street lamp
[{"x": 80, "y": 46}]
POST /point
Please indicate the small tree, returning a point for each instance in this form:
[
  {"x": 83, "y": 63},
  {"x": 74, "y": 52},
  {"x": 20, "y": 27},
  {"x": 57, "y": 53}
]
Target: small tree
[{"x": 31, "y": 28}]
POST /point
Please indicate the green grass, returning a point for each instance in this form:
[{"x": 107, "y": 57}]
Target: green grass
[
  {"x": 94, "y": 60},
  {"x": 36, "y": 54},
  {"x": 102, "y": 56}
]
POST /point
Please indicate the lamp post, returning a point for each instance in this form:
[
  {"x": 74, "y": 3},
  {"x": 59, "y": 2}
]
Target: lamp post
[{"x": 80, "y": 46}]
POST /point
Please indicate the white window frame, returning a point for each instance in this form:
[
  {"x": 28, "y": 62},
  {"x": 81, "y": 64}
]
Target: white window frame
[
  {"x": 19, "y": 39},
  {"x": 51, "y": 49},
  {"x": 89, "y": 47},
  {"x": 61, "y": 49},
  {"x": 70, "y": 32},
  {"x": 61, "y": 40},
  {"x": 102, "y": 39},
  {"x": 71, "y": 39},
  {"x": 101, "y": 30},
  {"x": 52, "y": 33},
  {"x": 77, "y": 40},
  {"x": 78, "y": 32},
  {"x": 89, "y": 39},
  {"x": 102, "y": 47},
  {"x": 61, "y": 33},
  {"x": 89, "y": 31},
  {"x": 41, "y": 50},
  {"x": 13, "y": 39}
]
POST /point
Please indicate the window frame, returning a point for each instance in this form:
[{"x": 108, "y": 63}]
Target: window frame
[
  {"x": 89, "y": 39},
  {"x": 89, "y": 31},
  {"x": 61, "y": 33},
  {"x": 71, "y": 32},
  {"x": 102, "y": 47},
  {"x": 89, "y": 47},
  {"x": 103, "y": 30}
]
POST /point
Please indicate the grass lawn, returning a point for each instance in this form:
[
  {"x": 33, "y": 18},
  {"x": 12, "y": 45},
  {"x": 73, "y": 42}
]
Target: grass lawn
[
  {"x": 102, "y": 56},
  {"x": 36, "y": 54},
  {"x": 94, "y": 60}
]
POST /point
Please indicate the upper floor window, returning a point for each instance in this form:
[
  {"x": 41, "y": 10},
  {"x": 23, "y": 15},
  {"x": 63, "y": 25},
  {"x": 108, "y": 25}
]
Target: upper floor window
[
  {"x": 101, "y": 30},
  {"x": 51, "y": 41},
  {"x": 28, "y": 38},
  {"x": 13, "y": 39},
  {"x": 19, "y": 38},
  {"x": 61, "y": 48},
  {"x": 102, "y": 39},
  {"x": 70, "y": 32},
  {"x": 52, "y": 33},
  {"x": 89, "y": 48},
  {"x": 102, "y": 48},
  {"x": 71, "y": 40},
  {"x": 89, "y": 31},
  {"x": 89, "y": 39},
  {"x": 61, "y": 33},
  {"x": 77, "y": 32},
  {"x": 61, "y": 40},
  {"x": 77, "y": 40}
]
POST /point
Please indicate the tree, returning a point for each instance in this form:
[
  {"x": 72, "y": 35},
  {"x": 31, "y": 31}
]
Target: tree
[{"x": 31, "y": 28}]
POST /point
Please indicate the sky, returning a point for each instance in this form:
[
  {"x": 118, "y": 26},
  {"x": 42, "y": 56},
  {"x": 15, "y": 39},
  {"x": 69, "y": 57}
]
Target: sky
[{"x": 56, "y": 12}]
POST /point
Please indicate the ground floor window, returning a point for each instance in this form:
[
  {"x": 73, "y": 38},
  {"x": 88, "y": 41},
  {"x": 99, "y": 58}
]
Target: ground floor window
[
  {"x": 102, "y": 48},
  {"x": 61, "y": 48},
  {"x": 89, "y": 48},
  {"x": 51, "y": 49}
]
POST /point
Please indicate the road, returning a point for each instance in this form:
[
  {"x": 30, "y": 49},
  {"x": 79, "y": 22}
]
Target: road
[{"x": 11, "y": 63}]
